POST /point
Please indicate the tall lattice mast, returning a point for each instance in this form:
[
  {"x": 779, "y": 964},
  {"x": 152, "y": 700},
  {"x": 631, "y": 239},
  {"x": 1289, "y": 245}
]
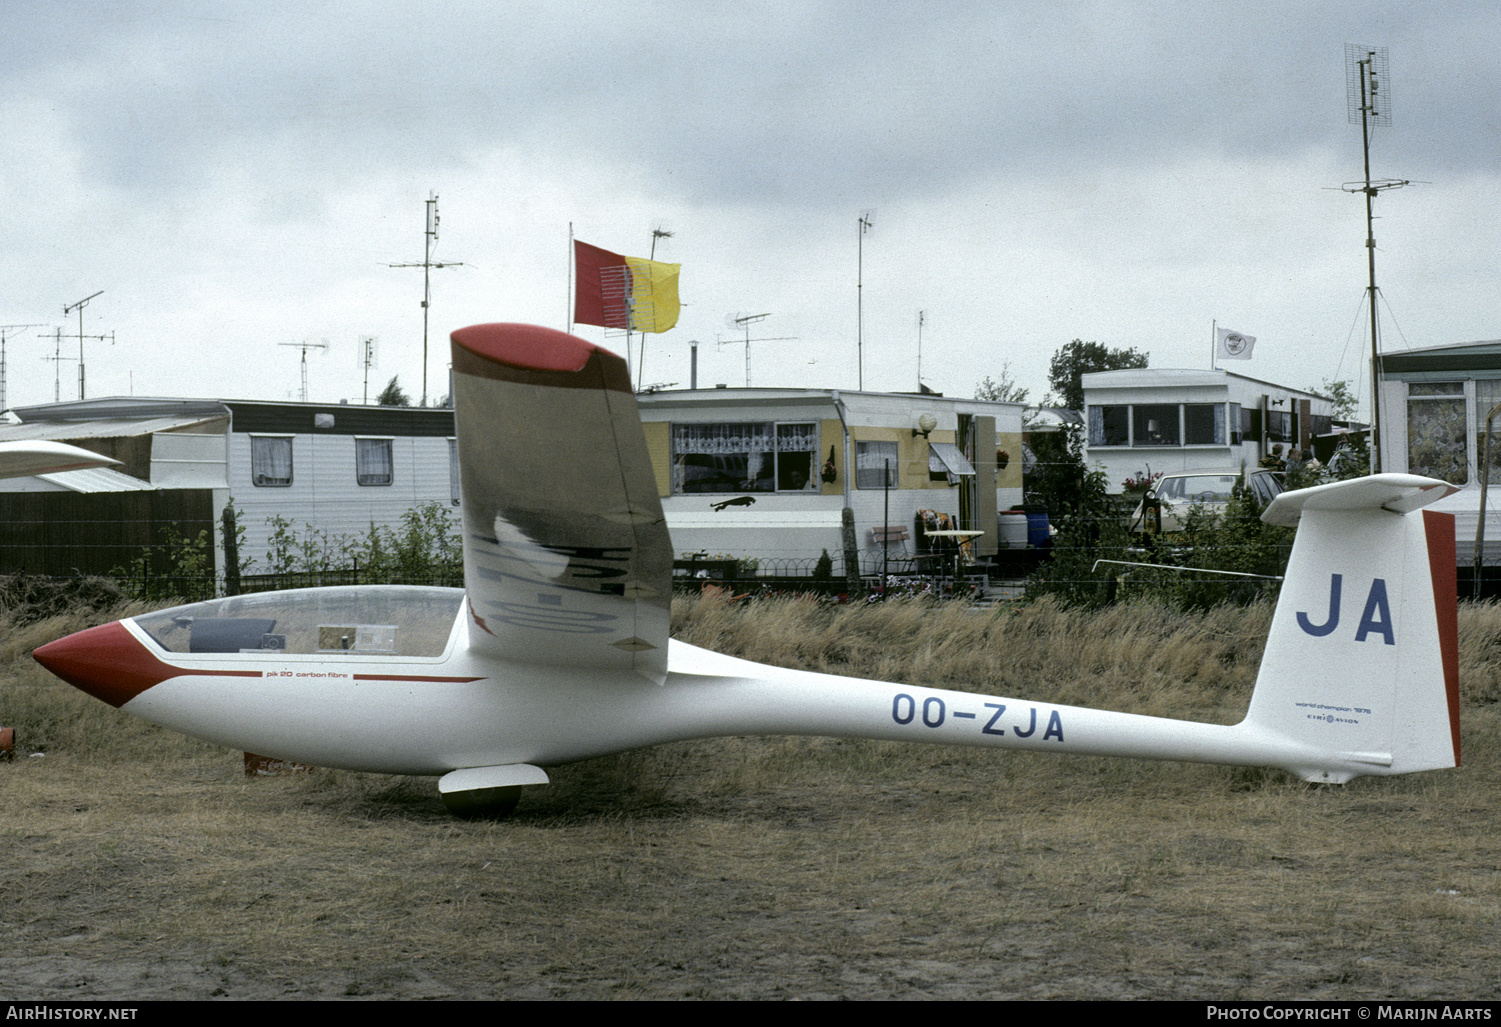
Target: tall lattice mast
[
  {"x": 1368, "y": 101},
  {"x": 430, "y": 239},
  {"x": 3, "y": 330}
]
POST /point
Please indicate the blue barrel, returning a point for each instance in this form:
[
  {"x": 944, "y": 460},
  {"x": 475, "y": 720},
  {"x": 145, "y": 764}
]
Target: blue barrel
[{"x": 1037, "y": 526}]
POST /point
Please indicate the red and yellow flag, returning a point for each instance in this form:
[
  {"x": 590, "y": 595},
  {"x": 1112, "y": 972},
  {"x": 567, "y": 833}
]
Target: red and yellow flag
[{"x": 623, "y": 292}]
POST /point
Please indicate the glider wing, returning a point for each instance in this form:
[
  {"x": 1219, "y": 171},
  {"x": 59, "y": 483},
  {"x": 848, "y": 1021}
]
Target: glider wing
[
  {"x": 21, "y": 458},
  {"x": 567, "y": 559}
]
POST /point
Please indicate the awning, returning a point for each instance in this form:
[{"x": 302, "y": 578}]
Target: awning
[{"x": 944, "y": 457}]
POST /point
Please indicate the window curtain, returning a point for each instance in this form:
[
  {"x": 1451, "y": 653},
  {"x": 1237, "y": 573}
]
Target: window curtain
[
  {"x": 870, "y": 464},
  {"x": 1097, "y": 426},
  {"x": 723, "y": 438},
  {"x": 372, "y": 461},
  {"x": 1437, "y": 446},
  {"x": 271, "y": 461}
]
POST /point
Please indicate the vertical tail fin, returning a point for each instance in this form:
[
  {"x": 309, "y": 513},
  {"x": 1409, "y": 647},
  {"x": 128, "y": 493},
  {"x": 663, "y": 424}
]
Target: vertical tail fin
[{"x": 1362, "y": 660}]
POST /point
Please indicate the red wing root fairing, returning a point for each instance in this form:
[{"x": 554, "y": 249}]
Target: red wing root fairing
[{"x": 556, "y": 650}]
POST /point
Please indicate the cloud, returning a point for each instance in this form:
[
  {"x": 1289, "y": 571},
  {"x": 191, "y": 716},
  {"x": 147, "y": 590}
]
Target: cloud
[{"x": 240, "y": 175}]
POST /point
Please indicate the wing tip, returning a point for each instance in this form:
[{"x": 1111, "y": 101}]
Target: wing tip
[
  {"x": 532, "y": 354},
  {"x": 526, "y": 347}
]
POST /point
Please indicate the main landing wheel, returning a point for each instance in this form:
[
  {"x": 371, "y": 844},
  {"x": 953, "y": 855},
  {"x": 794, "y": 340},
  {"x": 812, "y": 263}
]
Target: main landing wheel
[{"x": 483, "y": 803}]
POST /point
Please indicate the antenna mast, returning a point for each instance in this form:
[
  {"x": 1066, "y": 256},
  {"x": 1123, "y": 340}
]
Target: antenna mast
[
  {"x": 3, "y": 330},
  {"x": 865, "y": 226},
  {"x": 922, "y": 316},
  {"x": 79, "y": 307},
  {"x": 57, "y": 359},
  {"x": 367, "y": 361},
  {"x": 430, "y": 237},
  {"x": 1368, "y": 99}
]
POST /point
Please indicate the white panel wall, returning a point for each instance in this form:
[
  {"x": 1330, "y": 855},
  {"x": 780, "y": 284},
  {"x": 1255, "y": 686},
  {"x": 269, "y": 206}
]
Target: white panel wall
[
  {"x": 182, "y": 460},
  {"x": 325, "y": 494}
]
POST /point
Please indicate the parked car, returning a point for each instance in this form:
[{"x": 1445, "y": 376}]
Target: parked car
[{"x": 1164, "y": 508}]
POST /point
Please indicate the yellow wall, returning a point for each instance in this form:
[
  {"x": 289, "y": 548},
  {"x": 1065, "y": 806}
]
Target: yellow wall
[
  {"x": 658, "y": 446},
  {"x": 1011, "y": 477},
  {"x": 831, "y": 433},
  {"x": 911, "y": 453}
]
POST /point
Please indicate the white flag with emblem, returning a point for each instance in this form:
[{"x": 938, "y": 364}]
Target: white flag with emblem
[{"x": 1232, "y": 345}]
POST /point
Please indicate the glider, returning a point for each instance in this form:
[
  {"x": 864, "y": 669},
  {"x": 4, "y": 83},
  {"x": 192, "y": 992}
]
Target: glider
[{"x": 556, "y": 650}]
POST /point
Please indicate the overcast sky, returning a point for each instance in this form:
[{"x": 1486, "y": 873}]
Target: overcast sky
[{"x": 237, "y": 177}]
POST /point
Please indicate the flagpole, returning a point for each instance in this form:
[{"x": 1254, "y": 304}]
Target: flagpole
[
  {"x": 570, "y": 278},
  {"x": 1213, "y": 325}
]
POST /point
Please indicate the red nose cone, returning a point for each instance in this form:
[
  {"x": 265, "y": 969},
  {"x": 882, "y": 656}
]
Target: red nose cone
[{"x": 108, "y": 662}]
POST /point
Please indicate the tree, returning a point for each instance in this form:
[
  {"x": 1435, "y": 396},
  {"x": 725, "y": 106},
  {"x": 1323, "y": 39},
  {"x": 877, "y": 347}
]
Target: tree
[
  {"x": 1077, "y": 359},
  {"x": 393, "y": 395},
  {"x": 1004, "y": 391},
  {"x": 1345, "y": 403}
]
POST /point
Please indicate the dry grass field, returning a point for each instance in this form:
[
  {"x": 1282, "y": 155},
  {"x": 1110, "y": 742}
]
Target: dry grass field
[{"x": 137, "y": 864}]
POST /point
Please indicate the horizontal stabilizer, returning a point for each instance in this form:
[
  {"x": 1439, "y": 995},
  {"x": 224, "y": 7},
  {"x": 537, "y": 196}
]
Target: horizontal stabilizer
[{"x": 1396, "y": 493}]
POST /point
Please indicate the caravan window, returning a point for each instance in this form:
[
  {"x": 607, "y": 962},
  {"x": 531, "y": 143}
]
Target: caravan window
[
  {"x": 1204, "y": 424},
  {"x": 797, "y": 457},
  {"x": 871, "y": 461},
  {"x": 1279, "y": 426},
  {"x": 1437, "y": 440},
  {"x": 1155, "y": 425},
  {"x": 1163, "y": 424},
  {"x": 1109, "y": 425},
  {"x": 745, "y": 456},
  {"x": 1487, "y": 395},
  {"x": 372, "y": 461},
  {"x": 270, "y": 460}
]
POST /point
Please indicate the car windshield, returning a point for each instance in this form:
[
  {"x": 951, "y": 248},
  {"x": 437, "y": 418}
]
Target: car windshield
[{"x": 1198, "y": 488}]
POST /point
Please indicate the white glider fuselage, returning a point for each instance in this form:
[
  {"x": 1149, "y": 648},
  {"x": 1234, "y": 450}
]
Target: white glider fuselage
[{"x": 461, "y": 709}]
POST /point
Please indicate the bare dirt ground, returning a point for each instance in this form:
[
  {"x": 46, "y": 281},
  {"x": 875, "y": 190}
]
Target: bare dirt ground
[
  {"x": 874, "y": 874},
  {"x": 138, "y": 865}
]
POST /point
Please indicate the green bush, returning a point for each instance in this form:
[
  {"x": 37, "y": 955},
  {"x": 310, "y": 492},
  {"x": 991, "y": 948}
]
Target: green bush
[
  {"x": 181, "y": 567},
  {"x": 1236, "y": 541},
  {"x": 425, "y": 549}
]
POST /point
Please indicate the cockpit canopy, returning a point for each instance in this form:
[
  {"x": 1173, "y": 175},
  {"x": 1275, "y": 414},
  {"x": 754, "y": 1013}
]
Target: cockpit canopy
[{"x": 385, "y": 620}]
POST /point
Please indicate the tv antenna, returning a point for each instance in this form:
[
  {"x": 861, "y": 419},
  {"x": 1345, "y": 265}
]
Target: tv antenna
[
  {"x": 3, "y": 330},
  {"x": 430, "y": 238},
  {"x": 922, "y": 319},
  {"x": 57, "y": 359},
  {"x": 111, "y": 337},
  {"x": 304, "y": 345},
  {"x": 744, "y": 321},
  {"x": 1368, "y": 99},
  {"x": 369, "y": 358}
]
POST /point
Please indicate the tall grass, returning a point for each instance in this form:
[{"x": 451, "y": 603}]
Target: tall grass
[
  {"x": 1149, "y": 657},
  {"x": 1142, "y": 656},
  {"x": 48, "y": 715}
]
